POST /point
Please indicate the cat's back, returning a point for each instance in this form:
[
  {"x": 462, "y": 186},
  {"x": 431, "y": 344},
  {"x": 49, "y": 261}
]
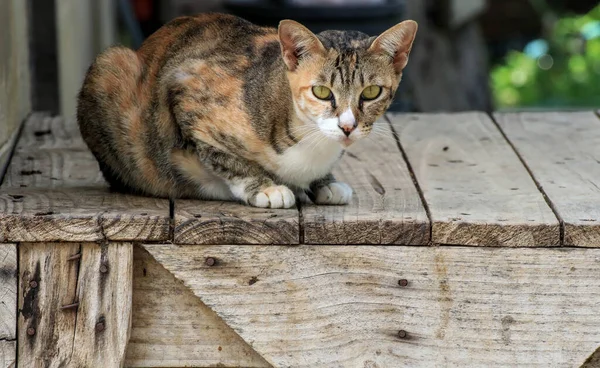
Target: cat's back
[{"x": 214, "y": 38}]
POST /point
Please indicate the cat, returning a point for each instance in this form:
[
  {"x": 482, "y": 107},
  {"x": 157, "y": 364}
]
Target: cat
[{"x": 214, "y": 107}]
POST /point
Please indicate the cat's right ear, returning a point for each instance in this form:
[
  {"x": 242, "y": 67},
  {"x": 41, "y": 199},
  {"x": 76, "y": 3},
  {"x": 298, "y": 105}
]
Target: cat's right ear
[{"x": 297, "y": 42}]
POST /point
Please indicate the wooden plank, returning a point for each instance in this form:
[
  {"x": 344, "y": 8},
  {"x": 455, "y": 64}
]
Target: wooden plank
[
  {"x": 6, "y": 151},
  {"x": 53, "y": 168},
  {"x": 8, "y": 304},
  {"x": 46, "y": 331},
  {"x": 385, "y": 208},
  {"x": 477, "y": 190},
  {"x": 216, "y": 222},
  {"x": 42, "y": 132},
  {"x": 171, "y": 327},
  {"x": 562, "y": 150},
  {"x": 53, "y": 330},
  {"x": 8, "y": 291},
  {"x": 15, "y": 76},
  {"x": 54, "y": 191},
  {"x": 8, "y": 352},
  {"x": 104, "y": 292},
  {"x": 331, "y": 306},
  {"x": 84, "y": 214}
]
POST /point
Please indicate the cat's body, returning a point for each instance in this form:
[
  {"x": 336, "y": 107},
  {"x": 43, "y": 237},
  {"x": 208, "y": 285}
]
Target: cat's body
[{"x": 209, "y": 108}]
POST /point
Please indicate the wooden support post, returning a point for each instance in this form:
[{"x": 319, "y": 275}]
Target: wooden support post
[
  {"x": 74, "y": 303},
  {"x": 8, "y": 304}
]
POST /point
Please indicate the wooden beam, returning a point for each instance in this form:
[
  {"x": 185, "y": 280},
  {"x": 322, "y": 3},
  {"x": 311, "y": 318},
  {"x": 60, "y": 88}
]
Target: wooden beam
[
  {"x": 75, "y": 304},
  {"x": 8, "y": 304},
  {"x": 562, "y": 150},
  {"x": 8, "y": 352},
  {"x": 216, "y": 222},
  {"x": 385, "y": 208},
  {"x": 171, "y": 327},
  {"x": 477, "y": 190},
  {"x": 324, "y": 306}
]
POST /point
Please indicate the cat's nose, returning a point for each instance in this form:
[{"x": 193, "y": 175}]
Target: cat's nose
[
  {"x": 347, "y": 129},
  {"x": 347, "y": 122}
]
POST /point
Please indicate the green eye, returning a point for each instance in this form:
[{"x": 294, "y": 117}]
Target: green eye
[
  {"x": 370, "y": 93},
  {"x": 322, "y": 92}
]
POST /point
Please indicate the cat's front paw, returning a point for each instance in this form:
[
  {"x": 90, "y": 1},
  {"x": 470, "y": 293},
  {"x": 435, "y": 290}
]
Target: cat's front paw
[
  {"x": 333, "y": 193},
  {"x": 278, "y": 196}
]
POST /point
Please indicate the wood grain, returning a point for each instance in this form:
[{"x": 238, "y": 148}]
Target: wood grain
[
  {"x": 51, "y": 330},
  {"x": 82, "y": 214},
  {"x": 385, "y": 208},
  {"x": 8, "y": 352},
  {"x": 331, "y": 306},
  {"x": 8, "y": 305},
  {"x": 8, "y": 291},
  {"x": 53, "y": 168},
  {"x": 42, "y": 132},
  {"x": 562, "y": 150},
  {"x": 171, "y": 327},
  {"x": 104, "y": 292},
  {"x": 54, "y": 191},
  {"x": 477, "y": 190},
  {"x": 54, "y": 334},
  {"x": 216, "y": 222}
]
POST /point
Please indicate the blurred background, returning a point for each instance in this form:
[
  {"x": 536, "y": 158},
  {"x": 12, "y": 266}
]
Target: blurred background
[{"x": 469, "y": 54}]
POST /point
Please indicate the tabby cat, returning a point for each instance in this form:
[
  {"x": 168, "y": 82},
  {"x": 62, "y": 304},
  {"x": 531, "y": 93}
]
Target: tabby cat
[{"x": 215, "y": 107}]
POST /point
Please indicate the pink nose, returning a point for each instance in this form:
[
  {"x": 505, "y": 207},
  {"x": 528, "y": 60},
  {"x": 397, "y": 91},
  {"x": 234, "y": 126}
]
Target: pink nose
[{"x": 347, "y": 128}]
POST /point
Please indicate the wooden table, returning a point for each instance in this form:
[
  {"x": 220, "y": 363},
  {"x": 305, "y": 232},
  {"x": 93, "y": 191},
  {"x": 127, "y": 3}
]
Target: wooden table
[{"x": 470, "y": 241}]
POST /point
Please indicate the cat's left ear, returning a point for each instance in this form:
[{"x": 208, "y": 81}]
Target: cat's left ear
[
  {"x": 297, "y": 42},
  {"x": 397, "y": 43}
]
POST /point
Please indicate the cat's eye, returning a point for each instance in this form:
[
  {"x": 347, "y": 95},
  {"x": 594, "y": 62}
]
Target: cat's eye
[
  {"x": 322, "y": 92},
  {"x": 370, "y": 93}
]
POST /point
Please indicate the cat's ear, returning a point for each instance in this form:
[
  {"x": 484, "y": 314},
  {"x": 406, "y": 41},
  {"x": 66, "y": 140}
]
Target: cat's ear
[
  {"x": 297, "y": 42},
  {"x": 396, "y": 42}
]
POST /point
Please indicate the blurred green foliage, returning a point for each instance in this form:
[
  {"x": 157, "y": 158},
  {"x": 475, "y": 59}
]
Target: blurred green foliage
[{"x": 562, "y": 70}]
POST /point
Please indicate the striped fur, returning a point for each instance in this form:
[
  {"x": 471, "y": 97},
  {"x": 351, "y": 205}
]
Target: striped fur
[{"x": 214, "y": 107}]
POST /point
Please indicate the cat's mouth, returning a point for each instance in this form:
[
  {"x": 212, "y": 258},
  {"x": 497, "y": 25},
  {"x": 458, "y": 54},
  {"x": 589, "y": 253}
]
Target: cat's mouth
[{"x": 346, "y": 141}]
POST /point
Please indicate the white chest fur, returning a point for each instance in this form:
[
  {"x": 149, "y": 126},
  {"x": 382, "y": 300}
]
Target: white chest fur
[{"x": 306, "y": 161}]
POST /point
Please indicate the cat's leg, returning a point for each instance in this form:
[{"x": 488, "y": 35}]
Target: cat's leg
[
  {"x": 247, "y": 181},
  {"x": 329, "y": 191}
]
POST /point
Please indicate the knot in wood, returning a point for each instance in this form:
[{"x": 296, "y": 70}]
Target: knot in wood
[
  {"x": 210, "y": 261},
  {"x": 403, "y": 282},
  {"x": 100, "y": 326}
]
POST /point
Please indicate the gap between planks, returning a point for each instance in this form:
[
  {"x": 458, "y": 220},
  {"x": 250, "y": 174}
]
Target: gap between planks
[
  {"x": 412, "y": 175},
  {"x": 561, "y": 223}
]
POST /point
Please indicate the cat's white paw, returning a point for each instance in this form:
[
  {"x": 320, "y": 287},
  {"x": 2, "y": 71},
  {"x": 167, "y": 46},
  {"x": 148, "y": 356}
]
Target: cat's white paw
[
  {"x": 334, "y": 193},
  {"x": 275, "y": 197}
]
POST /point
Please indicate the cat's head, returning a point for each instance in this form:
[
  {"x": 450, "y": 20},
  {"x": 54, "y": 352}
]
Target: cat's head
[{"x": 342, "y": 81}]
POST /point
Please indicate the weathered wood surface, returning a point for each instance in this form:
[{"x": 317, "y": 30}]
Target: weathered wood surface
[
  {"x": 562, "y": 150},
  {"x": 477, "y": 190},
  {"x": 8, "y": 304},
  {"x": 54, "y": 191},
  {"x": 331, "y": 306},
  {"x": 385, "y": 207},
  {"x": 216, "y": 222},
  {"x": 105, "y": 295},
  {"x": 50, "y": 132},
  {"x": 74, "y": 311},
  {"x": 8, "y": 352},
  {"x": 15, "y": 72},
  {"x": 46, "y": 332},
  {"x": 82, "y": 214},
  {"x": 8, "y": 291},
  {"x": 171, "y": 327}
]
